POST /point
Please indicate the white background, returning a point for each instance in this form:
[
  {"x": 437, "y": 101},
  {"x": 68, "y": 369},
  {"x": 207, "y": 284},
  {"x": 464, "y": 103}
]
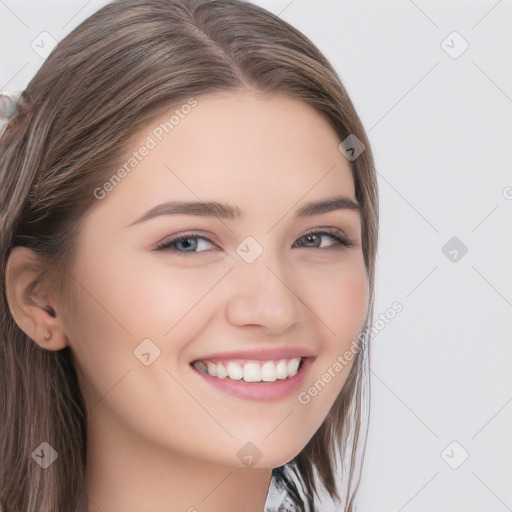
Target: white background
[{"x": 441, "y": 132}]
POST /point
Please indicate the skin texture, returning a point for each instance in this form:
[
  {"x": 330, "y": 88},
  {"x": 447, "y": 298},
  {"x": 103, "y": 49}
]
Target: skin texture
[{"x": 159, "y": 434}]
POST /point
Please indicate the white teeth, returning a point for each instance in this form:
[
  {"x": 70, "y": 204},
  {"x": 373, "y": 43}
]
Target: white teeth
[
  {"x": 252, "y": 371},
  {"x": 234, "y": 371},
  {"x": 281, "y": 369},
  {"x": 293, "y": 366},
  {"x": 268, "y": 372},
  {"x": 221, "y": 371},
  {"x": 212, "y": 368}
]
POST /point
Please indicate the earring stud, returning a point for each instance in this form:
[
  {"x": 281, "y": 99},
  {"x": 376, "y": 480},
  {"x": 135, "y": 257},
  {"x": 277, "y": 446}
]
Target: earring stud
[{"x": 48, "y": 335}]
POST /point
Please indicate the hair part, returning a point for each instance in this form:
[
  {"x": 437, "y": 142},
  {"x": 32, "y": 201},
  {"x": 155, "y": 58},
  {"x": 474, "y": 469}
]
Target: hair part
[{"x": 109, "y": 77}]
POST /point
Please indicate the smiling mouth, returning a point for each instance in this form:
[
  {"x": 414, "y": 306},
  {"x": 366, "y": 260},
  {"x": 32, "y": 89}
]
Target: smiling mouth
[{"x": 251, "y": 370}]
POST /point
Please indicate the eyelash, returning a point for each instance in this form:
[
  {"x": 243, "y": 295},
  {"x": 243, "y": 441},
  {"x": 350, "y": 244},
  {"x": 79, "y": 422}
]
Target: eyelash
[{"x": 342, "y": 242}]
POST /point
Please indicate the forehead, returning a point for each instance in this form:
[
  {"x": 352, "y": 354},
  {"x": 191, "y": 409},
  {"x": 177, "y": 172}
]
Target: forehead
[
  {"x": 251, "y": 149},
  {"x": 245, "y": 132}
]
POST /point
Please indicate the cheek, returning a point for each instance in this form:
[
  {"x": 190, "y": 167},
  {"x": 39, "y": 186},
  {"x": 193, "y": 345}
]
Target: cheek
[
  {"x": 338, "y": 295},
  {"x": 339, "y": 300},
  {"x": 122, "y": 301},
  {"x": 145, "y": 295}
]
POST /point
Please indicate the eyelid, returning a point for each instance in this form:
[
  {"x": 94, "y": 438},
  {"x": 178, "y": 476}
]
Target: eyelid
[{"x": 329, "y": 231}]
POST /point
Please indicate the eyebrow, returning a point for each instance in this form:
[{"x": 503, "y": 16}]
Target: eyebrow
[{"x": 232, "y": 212}]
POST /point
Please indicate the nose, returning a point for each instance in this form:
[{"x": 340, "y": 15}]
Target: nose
[{"x": 263, "y": 294}]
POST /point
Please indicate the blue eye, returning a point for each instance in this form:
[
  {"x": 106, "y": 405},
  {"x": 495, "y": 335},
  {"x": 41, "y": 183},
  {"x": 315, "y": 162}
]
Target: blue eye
[{"x": 190, "y": 242}]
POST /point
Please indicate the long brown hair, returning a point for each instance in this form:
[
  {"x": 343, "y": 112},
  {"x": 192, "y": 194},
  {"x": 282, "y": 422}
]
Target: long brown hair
[{"x": 112, "y": 74}]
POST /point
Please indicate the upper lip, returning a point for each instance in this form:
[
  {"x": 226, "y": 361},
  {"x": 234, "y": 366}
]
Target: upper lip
[{"x": 274, "y": 353}]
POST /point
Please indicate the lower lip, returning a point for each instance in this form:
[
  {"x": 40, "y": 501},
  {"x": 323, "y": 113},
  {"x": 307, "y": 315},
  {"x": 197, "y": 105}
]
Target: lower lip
[{"x": 260, "y": 391}]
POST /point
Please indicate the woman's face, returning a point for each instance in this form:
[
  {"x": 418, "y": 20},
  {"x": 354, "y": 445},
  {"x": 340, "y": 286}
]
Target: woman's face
[{"x": 239, "y": 293}]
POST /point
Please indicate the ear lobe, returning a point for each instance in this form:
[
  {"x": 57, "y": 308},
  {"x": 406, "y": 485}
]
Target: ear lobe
[{"x": 29, "y": 301}]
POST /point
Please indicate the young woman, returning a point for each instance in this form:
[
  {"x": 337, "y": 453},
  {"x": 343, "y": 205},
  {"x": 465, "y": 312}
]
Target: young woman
[{"x": 189, "y": 232}]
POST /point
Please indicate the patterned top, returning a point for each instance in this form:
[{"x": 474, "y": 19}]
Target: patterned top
[{"x": 278, "y": 499}]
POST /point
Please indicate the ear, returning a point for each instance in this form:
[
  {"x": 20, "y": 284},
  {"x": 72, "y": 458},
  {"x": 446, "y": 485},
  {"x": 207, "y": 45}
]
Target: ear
[{"x": 30, "y": 300}]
